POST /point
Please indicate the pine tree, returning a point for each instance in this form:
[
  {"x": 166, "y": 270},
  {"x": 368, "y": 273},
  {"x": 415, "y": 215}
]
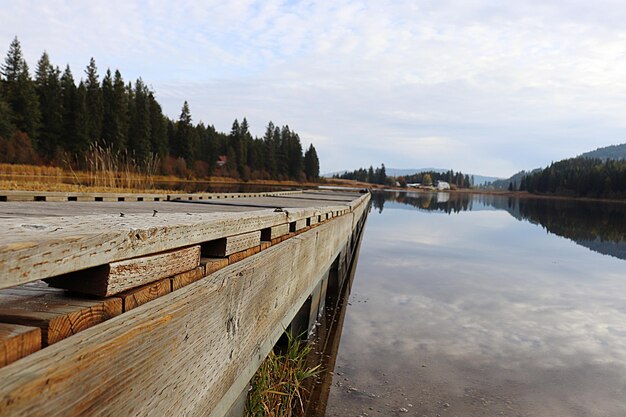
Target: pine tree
[
  {"x": 311, "y": 164},
  {"x": 158, "y": 127},
  {"x": 270, "y": 150},
  {"x": 94, "y": 103},
  {"x": 185, "y": 136},
  {"x": 74, "y": 136},
  {"x": 140, "y": 129},
  {"x": 20, "y": 92},
  {"x": 120, "y": 117},
  {"x": 48, "y": 88}
]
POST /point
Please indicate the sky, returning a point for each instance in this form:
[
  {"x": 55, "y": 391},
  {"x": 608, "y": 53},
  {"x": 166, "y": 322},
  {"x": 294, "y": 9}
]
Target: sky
[{"x": 484, "y": 87}]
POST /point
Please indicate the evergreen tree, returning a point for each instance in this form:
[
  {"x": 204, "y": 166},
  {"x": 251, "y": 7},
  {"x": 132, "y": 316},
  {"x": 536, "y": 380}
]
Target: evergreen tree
[
  {"x": 311, "y": 164},
  {"x": 48, "y": 88},
  {"x": 270, "y": 151},
  {"x": 20, "y": 92},
  {"x": 120, "y": 116},
  {"x": 158, "y": 127},
  {"x": 94, "y": 103},
  {"x": 74, "y": 137},
  {"x": 185, "y": 136},
  {"x": 140, "y": 129},
  {"x": 109, "y": 128}
]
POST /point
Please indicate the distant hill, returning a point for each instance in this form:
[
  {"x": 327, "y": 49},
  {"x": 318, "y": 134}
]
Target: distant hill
[
  {"x": 503, "y": 184},
  {"x": 614, "y": 152}
]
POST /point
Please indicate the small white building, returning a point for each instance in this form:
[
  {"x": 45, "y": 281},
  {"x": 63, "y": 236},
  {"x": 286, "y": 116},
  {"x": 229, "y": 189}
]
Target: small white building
[{"x": 442, "y": 185}]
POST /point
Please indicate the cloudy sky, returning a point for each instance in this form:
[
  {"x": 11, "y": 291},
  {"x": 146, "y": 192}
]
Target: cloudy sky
[{"x": 487, "y": 87}]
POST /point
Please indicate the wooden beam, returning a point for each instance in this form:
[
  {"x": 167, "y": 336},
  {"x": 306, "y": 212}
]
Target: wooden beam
[
  {"x": 141, "y": 295},
  {"x": 34, "y": 248},
  {"x": 181, "y": 280},
  {"x": 120, "y": 276},
  {"x": 213, "y": 264},
  {"x": 279, "y": 230},
  {"x": 17, "y": 341},
  {"x": 236, "y": 257},
  {"x": 56, "y": 313},
  {"x": 182, "y": 353},
  {"x": 231, "y": 244}
]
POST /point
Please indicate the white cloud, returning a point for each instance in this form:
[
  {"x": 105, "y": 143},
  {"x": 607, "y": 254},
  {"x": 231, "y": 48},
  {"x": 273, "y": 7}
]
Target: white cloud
[{"x": 511, "y": 86}]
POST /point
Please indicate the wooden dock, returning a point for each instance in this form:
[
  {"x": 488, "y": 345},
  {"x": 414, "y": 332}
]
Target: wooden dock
[{"x": 116, "y": 305}]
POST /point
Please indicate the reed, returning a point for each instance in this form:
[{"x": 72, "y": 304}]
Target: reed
[
  {"x": 105, "y": 167},
  {"x": 278, "y": 386}
]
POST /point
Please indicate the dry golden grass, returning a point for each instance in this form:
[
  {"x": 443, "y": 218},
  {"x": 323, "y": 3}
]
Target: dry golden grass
[
  {"x": 64, "y": 187},
  {"x": 17, "y": 170}
]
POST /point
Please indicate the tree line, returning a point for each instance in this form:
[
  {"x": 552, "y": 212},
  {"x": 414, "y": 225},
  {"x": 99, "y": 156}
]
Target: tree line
[
  {"x": 53, "y": 119},
  {"x": 458, "y": 179},
  {"x": 579, "y": 177},
  {"x": 370, "y": 175}
]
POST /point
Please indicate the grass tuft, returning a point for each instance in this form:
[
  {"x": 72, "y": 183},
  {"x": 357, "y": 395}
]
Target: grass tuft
[{"x": 278, "y": 385}]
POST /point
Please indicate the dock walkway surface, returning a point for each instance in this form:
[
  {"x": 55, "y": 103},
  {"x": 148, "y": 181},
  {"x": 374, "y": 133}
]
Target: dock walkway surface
[{"x": 153, "y": 304}]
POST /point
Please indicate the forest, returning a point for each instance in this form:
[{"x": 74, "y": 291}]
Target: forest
[
  {"x": 56, "y": 118},
  {"x": 579, "y": 177},
  {"x": 371, "y": 175}
]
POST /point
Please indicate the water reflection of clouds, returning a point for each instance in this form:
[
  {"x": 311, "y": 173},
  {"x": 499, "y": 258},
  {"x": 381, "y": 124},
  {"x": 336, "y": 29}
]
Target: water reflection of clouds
[{"x": 488, "y": 290}]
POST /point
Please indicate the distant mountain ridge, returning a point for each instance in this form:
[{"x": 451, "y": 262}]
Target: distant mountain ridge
[
  {"x": 607, "y": 152},
  {"x": 613, "y": 152}
]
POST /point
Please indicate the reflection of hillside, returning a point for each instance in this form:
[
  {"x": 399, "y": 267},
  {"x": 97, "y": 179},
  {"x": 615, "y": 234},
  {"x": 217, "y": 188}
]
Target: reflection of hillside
[{"x": 599, "y": 226}]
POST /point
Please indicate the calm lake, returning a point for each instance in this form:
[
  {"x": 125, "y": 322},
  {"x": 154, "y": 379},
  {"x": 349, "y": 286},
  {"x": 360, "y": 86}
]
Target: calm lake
[{"x": 473, "y": 305}]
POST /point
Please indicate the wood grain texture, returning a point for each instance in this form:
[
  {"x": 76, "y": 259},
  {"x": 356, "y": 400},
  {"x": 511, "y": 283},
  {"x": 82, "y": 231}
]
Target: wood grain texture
[
  {"x": 297, "y": 225},
  {"x": 180, "y": 354},
  {"x": 181, "y": 280},
  {"x": 38, "y": 248},
  {"x": 239, "y": 256},
  {"x": 213, "y": 264},
  {"x": 58, "y": 314},
  {"x": 231, "y": 244},
  {"x": 279, "y": 230},
  {"x": 17, "y": 341},
  {"x": 120, "y": 276},
  {"x": 146, "y": 293}
]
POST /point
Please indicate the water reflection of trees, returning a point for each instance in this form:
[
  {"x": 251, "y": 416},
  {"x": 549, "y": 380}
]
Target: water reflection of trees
[
  {"x": 445, "y": 202},
  {"x": 599, "y": 226}
]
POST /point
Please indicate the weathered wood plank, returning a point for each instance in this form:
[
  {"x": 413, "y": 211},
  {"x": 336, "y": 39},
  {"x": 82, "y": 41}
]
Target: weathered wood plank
[
  {"x": 191, "y": 344},
  {"x": 239, "y": 256},
  {"x": 279, "y": 230},
  {"x": 141, "y": 295},
  {"x": 40, "y": 196},
  {"x": 120, "y": 276},
  {"x": 213, "y": 264},
  {"x": 181, "y": 280},
  {"x": 231, "y": 244},
  {"x": 17, "y": 341},
  {"x": 297, "y": 225},
  {"x": 46, "y": 247},
  {"x": 56, "y": 313}
]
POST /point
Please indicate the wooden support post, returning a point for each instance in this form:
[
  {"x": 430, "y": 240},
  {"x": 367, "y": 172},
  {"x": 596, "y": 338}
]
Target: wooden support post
[{"x": 120, "y": 276}]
